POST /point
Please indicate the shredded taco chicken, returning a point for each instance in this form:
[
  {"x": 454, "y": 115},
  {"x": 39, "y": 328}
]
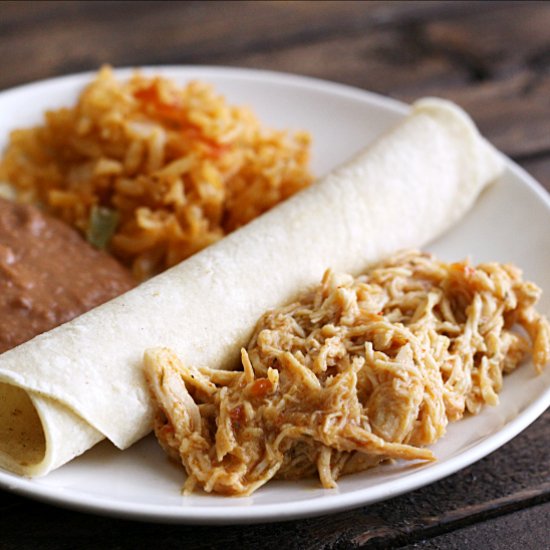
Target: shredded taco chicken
[{"x": 355, "y": 372}]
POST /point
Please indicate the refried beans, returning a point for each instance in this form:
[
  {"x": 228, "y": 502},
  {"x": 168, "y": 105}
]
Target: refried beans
[{"x": 48, "y": 274}]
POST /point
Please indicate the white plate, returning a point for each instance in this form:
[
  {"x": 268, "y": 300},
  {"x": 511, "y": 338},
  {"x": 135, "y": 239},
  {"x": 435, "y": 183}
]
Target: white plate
[{"x": 509, "y": 223}]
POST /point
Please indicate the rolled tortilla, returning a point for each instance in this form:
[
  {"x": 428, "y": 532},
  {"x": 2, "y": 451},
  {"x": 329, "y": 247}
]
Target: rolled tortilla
[{"x": 67, "y": 389}]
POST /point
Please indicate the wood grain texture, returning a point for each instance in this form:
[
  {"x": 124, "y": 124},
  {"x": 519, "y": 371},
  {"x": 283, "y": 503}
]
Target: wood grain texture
[
  {"x": 489, "y": 535},
  {"x": 493, "y": 58},
  {"x": 406, "y": 50}
]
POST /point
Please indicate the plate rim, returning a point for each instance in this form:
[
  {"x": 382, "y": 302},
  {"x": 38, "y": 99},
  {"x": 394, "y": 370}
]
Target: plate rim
[{"x": 334, "y": 502}]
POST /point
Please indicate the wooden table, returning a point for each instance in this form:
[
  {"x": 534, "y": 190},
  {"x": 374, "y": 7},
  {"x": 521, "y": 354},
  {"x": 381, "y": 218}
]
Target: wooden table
[{"x": 493, "y": 58}]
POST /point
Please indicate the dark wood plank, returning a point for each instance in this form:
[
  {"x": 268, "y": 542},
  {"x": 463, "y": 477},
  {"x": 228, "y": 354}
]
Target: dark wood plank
[
  {"x": 160, "y": 32},
  {"x": 527, "y": 529},
  {"x": 406, "y": 50},
  {"x": 81, "y": 36}
]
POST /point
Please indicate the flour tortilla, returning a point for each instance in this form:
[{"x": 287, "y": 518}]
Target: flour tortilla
[{"x": 67, "y": 389}]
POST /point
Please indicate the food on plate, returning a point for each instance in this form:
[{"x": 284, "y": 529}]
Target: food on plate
[
  {"x": 48, "y": 274},
  {"x": 84, "y": 381},
  {"x": 352, "y": 373},
  {"x": 154, "y": 171}
]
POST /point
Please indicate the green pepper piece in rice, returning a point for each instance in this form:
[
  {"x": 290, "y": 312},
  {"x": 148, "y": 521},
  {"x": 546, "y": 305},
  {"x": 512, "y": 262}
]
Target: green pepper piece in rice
[{"x": 102, "y": 226}]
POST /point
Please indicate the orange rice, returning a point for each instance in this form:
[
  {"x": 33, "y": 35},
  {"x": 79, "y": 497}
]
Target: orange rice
[{"x": 160, "y": 170}]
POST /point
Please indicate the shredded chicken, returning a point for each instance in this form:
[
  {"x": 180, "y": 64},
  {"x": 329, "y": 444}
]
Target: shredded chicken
[{"x": 356, "y": 372}]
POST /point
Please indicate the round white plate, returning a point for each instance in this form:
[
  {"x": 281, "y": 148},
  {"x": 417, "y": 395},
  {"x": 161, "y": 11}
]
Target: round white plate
[{"x": 509, "y": 223}]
